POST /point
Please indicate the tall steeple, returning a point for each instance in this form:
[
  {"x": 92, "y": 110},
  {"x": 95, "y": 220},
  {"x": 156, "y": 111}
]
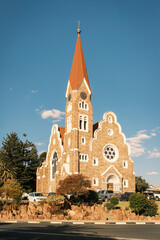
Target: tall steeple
[{"x": 78, "y": 70}]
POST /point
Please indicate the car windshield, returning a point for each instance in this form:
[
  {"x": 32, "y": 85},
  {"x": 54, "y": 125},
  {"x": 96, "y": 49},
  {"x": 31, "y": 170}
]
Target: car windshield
[{"x": 39, "y": 195}]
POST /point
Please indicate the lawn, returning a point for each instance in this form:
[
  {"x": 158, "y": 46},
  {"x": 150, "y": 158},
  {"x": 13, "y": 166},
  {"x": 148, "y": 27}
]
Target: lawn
[{"x": 126, "y": 204}]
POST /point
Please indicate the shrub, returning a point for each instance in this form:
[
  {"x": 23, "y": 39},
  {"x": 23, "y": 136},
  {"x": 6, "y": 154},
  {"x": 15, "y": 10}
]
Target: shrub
[
  {"x": 15, "y": 194},
  {"x": 12, "y": 189},
  {"x": 109, "y": 206},
  {"x": 90, "y": 197},
  {"x": 138, "y": 203},
  {"x": 114, "y": 200},
  {"x": 55, "y": 199},
  {"x": 151, "y": 208}
]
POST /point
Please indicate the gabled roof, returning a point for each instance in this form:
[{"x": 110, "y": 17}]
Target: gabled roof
[
  {"x": 62, "y": 131},
  {"x": 78, "y": 70}
]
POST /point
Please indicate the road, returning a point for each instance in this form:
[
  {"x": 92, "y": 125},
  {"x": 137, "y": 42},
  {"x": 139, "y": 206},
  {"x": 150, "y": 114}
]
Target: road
[{"x": 66, "y": 231}]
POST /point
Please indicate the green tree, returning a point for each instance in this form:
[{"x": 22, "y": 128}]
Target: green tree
[
  {"x": 19, "y": 160},
  {"x": 42, "y": 157},
  {"x": 141, "y": 184}
]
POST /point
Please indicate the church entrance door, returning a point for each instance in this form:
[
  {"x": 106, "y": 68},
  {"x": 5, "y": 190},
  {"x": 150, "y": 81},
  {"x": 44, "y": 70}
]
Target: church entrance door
[
  {"x": 110, "y": 186},
  {"x": 113, "y": 183}
]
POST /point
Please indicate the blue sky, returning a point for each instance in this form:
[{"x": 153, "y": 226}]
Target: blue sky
[{"x": 121, "y": 45}]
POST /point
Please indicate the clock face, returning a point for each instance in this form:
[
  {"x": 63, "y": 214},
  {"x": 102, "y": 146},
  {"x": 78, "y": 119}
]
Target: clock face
[
  {"x": 110, "y": 152},
  {"x": 69, "y": 97},
  {"x": 83, "y": 95}
]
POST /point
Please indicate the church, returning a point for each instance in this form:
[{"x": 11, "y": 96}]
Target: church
[{"x": 98, "y": 151}]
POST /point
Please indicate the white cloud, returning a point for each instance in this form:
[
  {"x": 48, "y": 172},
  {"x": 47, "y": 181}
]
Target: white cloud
[
  {"x": 154, "y": 130},
  {"x": 54, "y": 113},
  {"x": 154, "y": 153},
  {"x": 34, "y": 91},
  {"x": 11, "y": 88},
  {"x": 153, "y": 134},
  {"x": 152, "y": 173},
  {"x": 39, "y": 143},
  {"x": 136, "y": 143},
  {"x": 142, "y": 131},
  {"x": 57, "y": 120}
]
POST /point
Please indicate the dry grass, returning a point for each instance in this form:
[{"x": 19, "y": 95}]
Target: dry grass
[{"x": 126, "y": 204}]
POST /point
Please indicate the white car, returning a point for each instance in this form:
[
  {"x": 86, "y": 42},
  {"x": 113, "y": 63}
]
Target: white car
[
  {"x": 157, "y": 195},
  {"x": 36, "y": 196}
]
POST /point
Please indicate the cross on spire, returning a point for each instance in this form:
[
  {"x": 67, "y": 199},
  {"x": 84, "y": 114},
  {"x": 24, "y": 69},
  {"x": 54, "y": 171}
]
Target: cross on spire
[{"x": 78, "y": 30}]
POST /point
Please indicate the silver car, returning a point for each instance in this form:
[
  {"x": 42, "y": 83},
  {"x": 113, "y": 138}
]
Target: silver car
[{"x": 36, "y": 196}]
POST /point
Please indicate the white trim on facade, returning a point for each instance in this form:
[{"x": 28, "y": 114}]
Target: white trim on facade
[
  {"x": 114, "y": 169},
  {"x": 68, "y": 84},
  {"x": 55, "y": 126},
  {"x": 100, "y": 128}
]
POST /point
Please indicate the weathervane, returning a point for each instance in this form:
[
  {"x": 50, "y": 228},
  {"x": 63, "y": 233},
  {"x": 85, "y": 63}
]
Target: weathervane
[{"x": 78, "y": 30}]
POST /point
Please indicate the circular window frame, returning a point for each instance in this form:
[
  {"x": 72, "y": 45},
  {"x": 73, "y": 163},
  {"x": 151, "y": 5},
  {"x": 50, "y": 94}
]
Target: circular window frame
[
  {"x": 83, "y": 95},
  {"x": 116, "y": 152}
]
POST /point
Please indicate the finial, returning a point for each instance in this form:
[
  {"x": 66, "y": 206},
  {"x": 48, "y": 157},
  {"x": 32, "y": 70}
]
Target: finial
[{"x": 78, "y": 30}]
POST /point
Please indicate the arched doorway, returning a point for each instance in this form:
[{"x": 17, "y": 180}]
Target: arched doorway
[{"x": 113, "y": 183}]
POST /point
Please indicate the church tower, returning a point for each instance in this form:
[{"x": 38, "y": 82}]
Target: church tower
[{"x": 78, "y": 113}]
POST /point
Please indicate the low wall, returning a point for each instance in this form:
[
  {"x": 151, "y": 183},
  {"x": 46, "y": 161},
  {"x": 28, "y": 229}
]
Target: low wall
[
  {"x": 127, "y": 215},
  {"x": 38, "y": 211},
  {"x": 46, "y": 212}
]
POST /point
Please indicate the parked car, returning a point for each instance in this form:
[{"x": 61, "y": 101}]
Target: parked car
[
  {"x": 105, "y": 195},
  {"x": 51, "y": 193},
  {"x": 36, "y": 196},
  {"x": 149, "y": 195},
  {"x": 156, "y": 195},
  {"x": 125, "y": 196}
]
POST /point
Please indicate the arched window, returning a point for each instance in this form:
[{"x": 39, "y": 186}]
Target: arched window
[
  {"x": 69, "y": 124},
  {"x": 54, "y": 164},
  {"x": 83, "y": 122},
  {"x": 83, "y": 105}
]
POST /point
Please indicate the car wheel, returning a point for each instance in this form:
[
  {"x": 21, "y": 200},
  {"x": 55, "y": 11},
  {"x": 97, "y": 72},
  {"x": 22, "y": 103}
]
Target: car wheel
[{"x": 34, "y": 200}]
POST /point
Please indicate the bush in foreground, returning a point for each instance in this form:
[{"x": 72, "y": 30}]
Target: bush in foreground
[
  {"x": 151, "y": 209},
  {"x": 142, "y": 206},
  {"x": 12, "y": 189},
  {"x": 113, "y": 202},
  {"x": 55, "y": 199}
]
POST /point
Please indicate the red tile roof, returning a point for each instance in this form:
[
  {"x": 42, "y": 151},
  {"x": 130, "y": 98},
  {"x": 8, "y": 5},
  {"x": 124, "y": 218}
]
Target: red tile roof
[
  {"x": 78, "y": 70},
  {"x": 62, "y": 131}
]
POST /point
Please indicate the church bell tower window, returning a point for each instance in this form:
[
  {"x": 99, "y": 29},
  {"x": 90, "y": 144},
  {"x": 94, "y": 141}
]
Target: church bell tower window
[
  {"x": 69, "y": 124},
  {"x": 83, "y": 122}
]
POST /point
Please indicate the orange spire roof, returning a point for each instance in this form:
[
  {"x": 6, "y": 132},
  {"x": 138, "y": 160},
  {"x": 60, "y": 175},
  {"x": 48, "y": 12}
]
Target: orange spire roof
[{"x": 78, "y": 70}]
